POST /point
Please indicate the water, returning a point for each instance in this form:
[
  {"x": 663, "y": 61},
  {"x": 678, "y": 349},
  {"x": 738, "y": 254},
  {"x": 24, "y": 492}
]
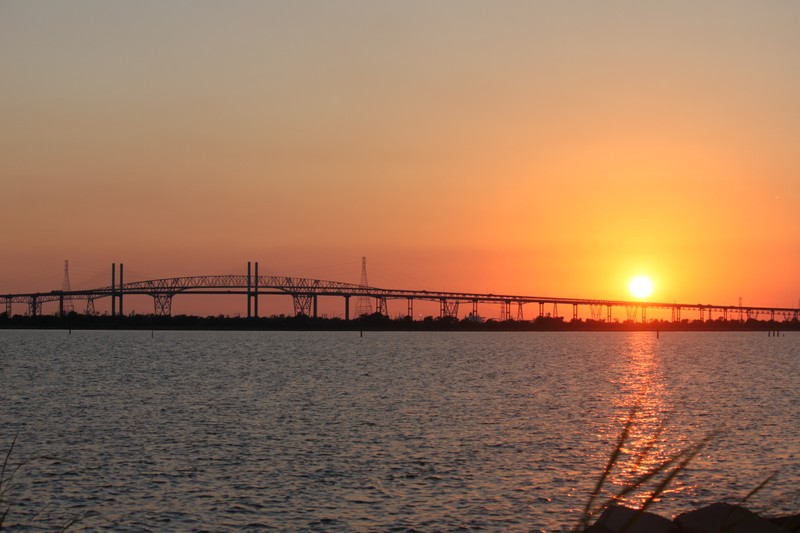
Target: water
[{"x": 214, "y": 431}]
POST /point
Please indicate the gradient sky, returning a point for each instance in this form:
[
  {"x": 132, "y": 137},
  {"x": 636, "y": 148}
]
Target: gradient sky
[{"x": 543, "y": 148}]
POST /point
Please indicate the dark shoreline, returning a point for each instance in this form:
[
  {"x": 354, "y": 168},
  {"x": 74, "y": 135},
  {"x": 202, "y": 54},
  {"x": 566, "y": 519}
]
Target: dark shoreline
[
  {"x": 720, "y": 516},
  {"x": 376, "y": 323}
]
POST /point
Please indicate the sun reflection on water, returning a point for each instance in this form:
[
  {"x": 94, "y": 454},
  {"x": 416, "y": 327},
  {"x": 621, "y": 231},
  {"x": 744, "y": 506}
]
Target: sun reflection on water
[{"x": 645, "y": 401}]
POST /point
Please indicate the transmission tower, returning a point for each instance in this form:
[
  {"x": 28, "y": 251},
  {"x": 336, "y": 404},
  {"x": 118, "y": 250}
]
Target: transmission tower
[
  {"x": 363, "y": 303},
  {"x": 68, "y": 307}
]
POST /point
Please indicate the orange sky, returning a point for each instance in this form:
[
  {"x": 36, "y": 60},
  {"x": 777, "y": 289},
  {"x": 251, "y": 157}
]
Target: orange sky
[{"x": 536, "y": 148}]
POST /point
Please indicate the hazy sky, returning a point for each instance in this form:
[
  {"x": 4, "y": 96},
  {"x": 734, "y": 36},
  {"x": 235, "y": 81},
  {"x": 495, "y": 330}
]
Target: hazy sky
[{"x": 548, "y": 148}]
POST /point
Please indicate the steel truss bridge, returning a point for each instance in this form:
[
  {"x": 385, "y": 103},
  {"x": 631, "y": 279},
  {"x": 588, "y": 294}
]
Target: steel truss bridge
[{"x": 306, "y": 292}]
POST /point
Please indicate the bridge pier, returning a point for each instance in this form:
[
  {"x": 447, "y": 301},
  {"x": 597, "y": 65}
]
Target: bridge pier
[
  {"x": 505, "y": 311},
  {"x": 380, "y": 306},
  {"x": 347, "y": 307},
  {"x": 255, "y": 293},
  {"x": 121, "y": 312},
  {"x": 252, "y": 290},
  {"x": 302, "y": 304},
  {"x": 448, "y": 308},
  {"x": 116, "y": 291},
  {"x": 34, "y": 307},
  {"x": 8, "y": 308},
  {"x": 162, "y": 304},
  {"x": 410, "y": 312},
  {"x": 249, "y": 295},
  {"x": 113, "y": 289}
]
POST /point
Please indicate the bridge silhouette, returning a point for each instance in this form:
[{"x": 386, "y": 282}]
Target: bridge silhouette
[{"x": 305, "y": 293}]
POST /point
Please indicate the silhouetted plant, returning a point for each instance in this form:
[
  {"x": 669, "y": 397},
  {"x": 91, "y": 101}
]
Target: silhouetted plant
[
  {"x": 7, "y": 475},
  {"x": 5, "y": 482},
  {"x": 665, "y": 472}
]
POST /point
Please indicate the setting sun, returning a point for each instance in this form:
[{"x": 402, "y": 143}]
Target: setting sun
[{"x": 641, "y": 286}]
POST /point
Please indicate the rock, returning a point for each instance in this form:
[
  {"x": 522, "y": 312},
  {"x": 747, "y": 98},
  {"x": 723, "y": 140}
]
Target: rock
[
  {"x": 788, "y": 524},
  {"x": 724, "y": 517},
  {"x": 616, "y": 519}
]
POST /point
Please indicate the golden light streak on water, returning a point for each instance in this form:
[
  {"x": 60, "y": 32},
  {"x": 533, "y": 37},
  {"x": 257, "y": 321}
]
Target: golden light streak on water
[{"x": 651, "y": 441}]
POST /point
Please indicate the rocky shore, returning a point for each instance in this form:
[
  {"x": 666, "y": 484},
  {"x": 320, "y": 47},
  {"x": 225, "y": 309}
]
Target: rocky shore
[{"x": 716, "y": 518}]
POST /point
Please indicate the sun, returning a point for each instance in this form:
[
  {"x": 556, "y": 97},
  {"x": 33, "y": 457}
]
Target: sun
[{"x": 641, "y": 286}]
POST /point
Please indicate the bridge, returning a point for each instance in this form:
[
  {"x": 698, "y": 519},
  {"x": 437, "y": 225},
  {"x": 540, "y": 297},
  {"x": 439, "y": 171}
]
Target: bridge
[{"x": 306, "y": 292}]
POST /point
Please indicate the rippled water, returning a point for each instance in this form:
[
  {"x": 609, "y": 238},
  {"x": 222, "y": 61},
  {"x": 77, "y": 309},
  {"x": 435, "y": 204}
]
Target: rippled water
[{"x": 213, "y": 431}]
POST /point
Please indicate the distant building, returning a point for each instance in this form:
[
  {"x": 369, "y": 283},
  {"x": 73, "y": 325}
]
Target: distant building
[{"x": 475, "y": 317}]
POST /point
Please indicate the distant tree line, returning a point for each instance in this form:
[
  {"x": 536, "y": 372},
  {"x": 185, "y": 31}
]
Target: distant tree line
[{"x": 377, "y": 322}]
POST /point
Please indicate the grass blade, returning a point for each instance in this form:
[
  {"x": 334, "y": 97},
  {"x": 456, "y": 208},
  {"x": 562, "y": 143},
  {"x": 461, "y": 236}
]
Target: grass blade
[{"x": 583, "y": 522}]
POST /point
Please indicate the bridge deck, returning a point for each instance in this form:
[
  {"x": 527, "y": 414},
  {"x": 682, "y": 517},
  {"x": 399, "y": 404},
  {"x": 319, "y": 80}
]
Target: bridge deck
[{"x": 305, "y": 291}]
